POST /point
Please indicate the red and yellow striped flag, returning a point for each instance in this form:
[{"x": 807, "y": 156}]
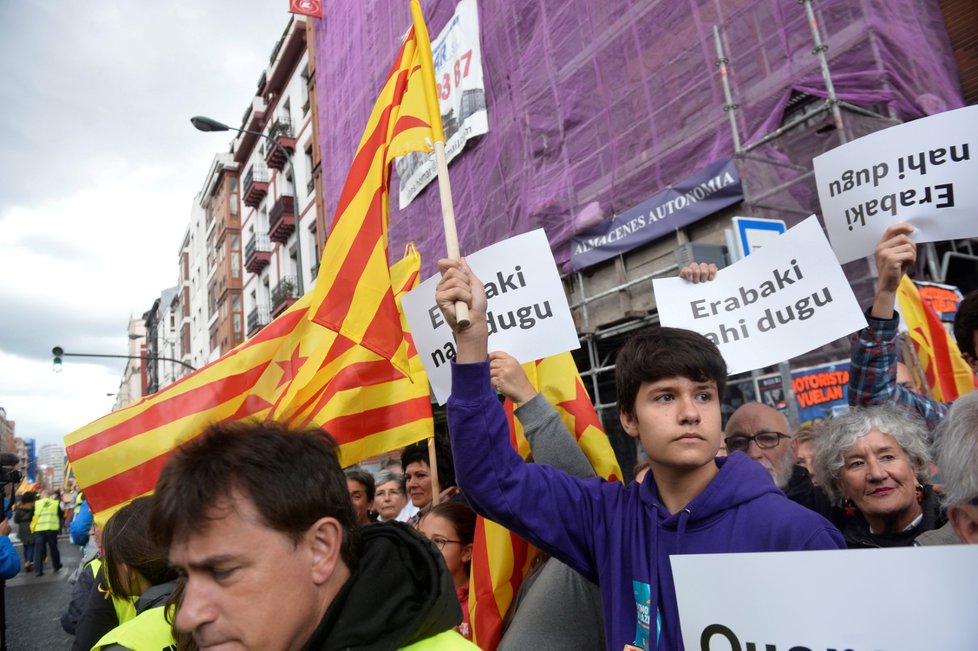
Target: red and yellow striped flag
[
  {"x": 293, "y": 371},
  {"x": 500, "y": 558},
  {"x": 296, "y": 370},
  {"x": 357, "y": 396},
  {"x": 946, "y": 372},
  {"x": 355, "y": 255}
]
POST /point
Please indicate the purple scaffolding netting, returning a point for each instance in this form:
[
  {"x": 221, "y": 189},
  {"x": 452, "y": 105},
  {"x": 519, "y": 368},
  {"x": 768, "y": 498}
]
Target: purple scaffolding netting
[{"x": 594, "y": 107}]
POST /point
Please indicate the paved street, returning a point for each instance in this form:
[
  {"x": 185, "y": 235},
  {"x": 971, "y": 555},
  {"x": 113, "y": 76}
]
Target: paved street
[{"x": 34, "y": 604}]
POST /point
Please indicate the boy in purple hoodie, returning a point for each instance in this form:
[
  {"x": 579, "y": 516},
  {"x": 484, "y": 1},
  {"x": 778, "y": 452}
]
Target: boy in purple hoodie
[{"x": 670, "y": 383}]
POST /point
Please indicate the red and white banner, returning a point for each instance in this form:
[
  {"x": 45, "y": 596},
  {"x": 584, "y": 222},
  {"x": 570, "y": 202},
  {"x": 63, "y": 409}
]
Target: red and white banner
[{"x": 306, "y": 7}]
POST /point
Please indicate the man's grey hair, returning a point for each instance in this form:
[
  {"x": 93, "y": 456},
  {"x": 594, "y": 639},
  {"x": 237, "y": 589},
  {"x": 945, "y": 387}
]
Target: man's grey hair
[
  {"x": 841, "y": 433},
  {"x": 956, "y": 449}
]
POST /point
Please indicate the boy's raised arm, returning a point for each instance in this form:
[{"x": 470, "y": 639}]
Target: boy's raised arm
[
  {"x": 495, "y": 480},
  {"x": 459, "y": 283}
]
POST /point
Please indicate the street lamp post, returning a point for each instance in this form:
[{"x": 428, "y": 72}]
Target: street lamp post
[{"x": 202, "y": 123}]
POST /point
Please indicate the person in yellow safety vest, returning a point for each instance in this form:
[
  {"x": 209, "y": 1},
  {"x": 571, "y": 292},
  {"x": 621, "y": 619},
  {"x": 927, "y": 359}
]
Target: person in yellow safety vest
[
  {"x": 93, "y": 611},
  {"x": 46, "y": 526},
  {"x": 135, "y": 566},
  {"x": 259, "y": 522}
]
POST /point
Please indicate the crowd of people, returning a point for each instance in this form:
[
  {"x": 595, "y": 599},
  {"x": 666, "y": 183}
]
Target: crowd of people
[{"x": 256, "y": 537}]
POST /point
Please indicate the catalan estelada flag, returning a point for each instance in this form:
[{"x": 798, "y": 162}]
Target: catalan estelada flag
[
  {"x": 500, "y": 558},
  {"x": 948, "y": 375},
  {"x": 344, "y": 364},
  {"x": 293, "y": 371},
  {"x": 355, "y": 255}
]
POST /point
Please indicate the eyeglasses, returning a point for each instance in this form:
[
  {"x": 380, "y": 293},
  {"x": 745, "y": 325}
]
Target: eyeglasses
[
  {"x": 441, "y": 542},
  {"x": 764, "y": 440}
]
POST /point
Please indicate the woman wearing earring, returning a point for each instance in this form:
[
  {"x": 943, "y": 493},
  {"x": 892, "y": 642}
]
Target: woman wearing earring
[{"x": 873, "y": 463}]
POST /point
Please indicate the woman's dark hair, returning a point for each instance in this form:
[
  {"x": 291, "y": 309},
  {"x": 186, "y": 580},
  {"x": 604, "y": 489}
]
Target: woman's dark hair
[
  {"x": 443, "y": 452},
  {"x": 364, "y": 478},
  {"x": 966, "y": 323},
  {"x": 126, "y": 540},
  {"x": 462, "y": 518},
  {"x": 460, "y": 515}
]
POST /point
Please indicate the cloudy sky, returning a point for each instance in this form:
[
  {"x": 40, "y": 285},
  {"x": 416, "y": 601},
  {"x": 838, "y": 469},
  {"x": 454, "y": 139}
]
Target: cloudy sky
[{"x": 99, "y": 166}]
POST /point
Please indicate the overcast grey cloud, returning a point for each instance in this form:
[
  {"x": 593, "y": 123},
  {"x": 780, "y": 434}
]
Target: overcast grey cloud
[{"x": 98, "y": 171}]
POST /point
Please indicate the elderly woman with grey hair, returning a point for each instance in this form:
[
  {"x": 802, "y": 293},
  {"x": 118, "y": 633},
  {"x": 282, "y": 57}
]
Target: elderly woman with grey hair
[
  {"x": 957, "y": 457},
  {"x": 873, "y": 462},
  {"x": 390, "y": 498}
]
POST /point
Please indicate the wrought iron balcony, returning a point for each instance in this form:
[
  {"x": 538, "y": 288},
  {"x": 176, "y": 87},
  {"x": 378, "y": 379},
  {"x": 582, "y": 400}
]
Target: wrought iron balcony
[
  {"x": 255, "y": 185},
  {"x": 281, "y": 132},
  {"x": 258, "y": 253},
  {"x": 258, "y": 318},
  {"x": 281, "y": 219},
  {"x": 283, "y": 295}
]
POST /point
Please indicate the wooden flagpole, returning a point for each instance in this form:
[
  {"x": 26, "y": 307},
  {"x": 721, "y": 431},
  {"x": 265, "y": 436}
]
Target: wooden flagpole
[{"x": 441, "y": 162}]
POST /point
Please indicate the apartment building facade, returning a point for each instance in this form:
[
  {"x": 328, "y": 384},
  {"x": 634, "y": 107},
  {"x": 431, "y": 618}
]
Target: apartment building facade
[{"x": 281, "y": 226}]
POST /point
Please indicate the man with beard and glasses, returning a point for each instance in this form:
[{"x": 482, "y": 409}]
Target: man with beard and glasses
[{"x": 763, "y": 434}]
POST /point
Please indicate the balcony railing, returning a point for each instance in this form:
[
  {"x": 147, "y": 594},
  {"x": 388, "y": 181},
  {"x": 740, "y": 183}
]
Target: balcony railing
[
  {"x": 258, "y": 318},
  {"x": 281, "y": 132},
  {"x": 255, "y": 185},
  {"x": 258, "y": 253},
  {"x": 283, "y": 295},
  {"x": 281, "y": 219}
]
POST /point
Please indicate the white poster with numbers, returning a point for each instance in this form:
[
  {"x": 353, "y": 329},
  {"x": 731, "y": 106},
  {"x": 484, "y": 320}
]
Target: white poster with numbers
[
  {"x": 461, "y": 98},
  {"x": 923, "y": 173},
  {"x": 898, "y": 599}
]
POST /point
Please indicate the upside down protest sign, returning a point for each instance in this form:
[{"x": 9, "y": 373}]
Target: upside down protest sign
[
  {"x": 922, "y": 172},
  {"x": 781, "y": 301}
]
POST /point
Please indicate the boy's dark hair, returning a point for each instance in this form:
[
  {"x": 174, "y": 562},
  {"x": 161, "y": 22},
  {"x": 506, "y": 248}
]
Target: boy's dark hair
[
  {"x": 966, "y": 323},
  {"x": 364, "y": 478},
  {"x": 293, "y": 478},
  {"x": 661, "y": 353},
  {"x": 126, "y": 540}
]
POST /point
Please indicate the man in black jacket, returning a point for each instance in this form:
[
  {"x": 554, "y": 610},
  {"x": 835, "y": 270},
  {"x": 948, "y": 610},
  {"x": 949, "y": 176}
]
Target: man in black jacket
[{"x": 259, "y": 523}]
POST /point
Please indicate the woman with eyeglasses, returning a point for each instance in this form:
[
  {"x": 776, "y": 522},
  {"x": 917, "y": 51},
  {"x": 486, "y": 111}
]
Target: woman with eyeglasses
[
  {"x": 451, "y": 527},
  {"x": 873, "y": 463}
]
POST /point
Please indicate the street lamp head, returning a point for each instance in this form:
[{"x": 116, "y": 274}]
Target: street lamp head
[{"x": 207, "y": 124}]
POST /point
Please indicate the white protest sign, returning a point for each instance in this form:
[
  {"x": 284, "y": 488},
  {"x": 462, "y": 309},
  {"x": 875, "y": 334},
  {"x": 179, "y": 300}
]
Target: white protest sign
[
  {"x": 921, "y": 172},
  {"x": 782, "y": 300},
  {"x": 528, "y": 314},
  {"x": 898, "y": 599}
]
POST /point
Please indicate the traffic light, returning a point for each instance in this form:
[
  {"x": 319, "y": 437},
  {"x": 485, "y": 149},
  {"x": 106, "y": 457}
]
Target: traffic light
[{"x": 57, "y": 352}]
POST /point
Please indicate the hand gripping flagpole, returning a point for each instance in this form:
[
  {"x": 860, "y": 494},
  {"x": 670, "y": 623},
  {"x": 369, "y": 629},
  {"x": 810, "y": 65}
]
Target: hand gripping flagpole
[{"x": 434, "y": 113}]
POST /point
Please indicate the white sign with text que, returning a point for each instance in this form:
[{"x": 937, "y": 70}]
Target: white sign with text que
[{"x": 899, "y": 599}]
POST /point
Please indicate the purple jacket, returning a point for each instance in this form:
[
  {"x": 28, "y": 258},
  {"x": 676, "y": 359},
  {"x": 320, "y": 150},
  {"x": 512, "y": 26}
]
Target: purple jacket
[{"x": 616, "y": 535}]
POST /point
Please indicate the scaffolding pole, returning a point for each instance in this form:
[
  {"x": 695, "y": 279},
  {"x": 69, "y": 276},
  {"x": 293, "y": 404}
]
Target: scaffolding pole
[
  {"x": 729, "y": 107},
  {"x": 823, "y": 64}
]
